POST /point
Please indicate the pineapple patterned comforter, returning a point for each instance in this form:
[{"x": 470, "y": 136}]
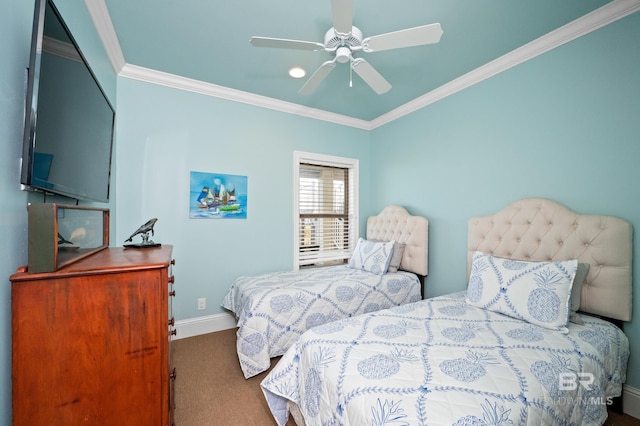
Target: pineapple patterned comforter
[
  {"x": 443, "y": 362},
  {"x": 274, "y": 309}
]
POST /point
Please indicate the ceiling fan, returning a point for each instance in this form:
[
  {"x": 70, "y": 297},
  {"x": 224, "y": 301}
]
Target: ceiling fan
[{"x": 343, "y": 40}]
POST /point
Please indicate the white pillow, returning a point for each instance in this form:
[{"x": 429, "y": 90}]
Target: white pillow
[
  {"x": 371, "y": 256},
  {"x": 396, "y": 257},
  {"x": 537, "y": 292},
  {"x": 576, "y": 292}
]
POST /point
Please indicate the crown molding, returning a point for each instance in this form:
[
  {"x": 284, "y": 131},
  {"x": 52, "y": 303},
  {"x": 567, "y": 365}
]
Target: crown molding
[
  {"x": 177, "y": 82},
  {"x": 599, "y": 18},
  {"x": 102, "y": 21}
]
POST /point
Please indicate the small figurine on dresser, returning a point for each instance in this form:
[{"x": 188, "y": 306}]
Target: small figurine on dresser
[
  {"x": 66, "y": 245},
  {"x": 144, "y": 231}
]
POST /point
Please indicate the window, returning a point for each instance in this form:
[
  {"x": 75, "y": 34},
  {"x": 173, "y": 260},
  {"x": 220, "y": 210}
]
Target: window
[{"x": 326, "y": 209}]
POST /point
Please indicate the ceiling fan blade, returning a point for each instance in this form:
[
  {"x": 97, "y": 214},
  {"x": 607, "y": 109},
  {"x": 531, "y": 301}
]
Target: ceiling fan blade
[
  {"x": 417, "y": 36},
  {"x": 370, "y": 76},
  {"x": 283, "y": 43},
  {"x": 342, "y": 11},
  {"x": 317, "y": 78}
]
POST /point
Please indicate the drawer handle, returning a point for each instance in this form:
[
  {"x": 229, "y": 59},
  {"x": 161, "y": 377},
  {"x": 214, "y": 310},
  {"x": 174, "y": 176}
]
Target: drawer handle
[
  {"x": 172, "y": 279},
  {"x": 172, "y": 375},
  {"x": 172, "y": 293},
  {"x": 172, "y": 321},
  {"x": 173, "y": 332}
]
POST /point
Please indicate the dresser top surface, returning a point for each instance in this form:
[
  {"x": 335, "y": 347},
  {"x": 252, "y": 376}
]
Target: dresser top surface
[{"x": 108, "y": 260}]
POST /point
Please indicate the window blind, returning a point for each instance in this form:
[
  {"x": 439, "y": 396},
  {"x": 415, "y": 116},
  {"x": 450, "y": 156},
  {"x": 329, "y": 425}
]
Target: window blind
[{"x": 325, "y": 213}]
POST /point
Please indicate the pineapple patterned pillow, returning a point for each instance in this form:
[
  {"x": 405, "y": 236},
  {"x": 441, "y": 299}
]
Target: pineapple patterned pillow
[
  {"x": 371, "y": 256},
  {"x": 537, "y": 292}
]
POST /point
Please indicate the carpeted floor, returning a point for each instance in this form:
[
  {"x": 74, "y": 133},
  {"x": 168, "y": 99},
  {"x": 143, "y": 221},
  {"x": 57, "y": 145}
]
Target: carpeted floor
[{"x": 211, "y": 390}]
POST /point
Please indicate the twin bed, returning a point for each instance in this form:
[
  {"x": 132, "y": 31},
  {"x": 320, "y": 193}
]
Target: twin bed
[
  {"x": 501, "y": 352},
  {"x": 274, "y": 309}
]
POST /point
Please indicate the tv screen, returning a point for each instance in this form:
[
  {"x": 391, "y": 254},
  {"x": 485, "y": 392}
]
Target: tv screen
[{"x": 69, "y": 121}]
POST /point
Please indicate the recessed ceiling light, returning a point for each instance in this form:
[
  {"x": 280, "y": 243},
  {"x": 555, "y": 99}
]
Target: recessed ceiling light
[{"x": 297, "y": 72}]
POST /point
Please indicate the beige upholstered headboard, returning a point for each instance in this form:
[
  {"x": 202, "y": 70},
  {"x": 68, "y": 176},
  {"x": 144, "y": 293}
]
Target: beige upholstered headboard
[
  {"x": 395, "y": 223},
  {"x": 538, "y": 229}
]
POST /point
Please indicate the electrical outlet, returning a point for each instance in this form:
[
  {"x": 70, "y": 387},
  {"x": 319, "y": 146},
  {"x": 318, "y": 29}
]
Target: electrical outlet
[{"x": 202, "y": 303}]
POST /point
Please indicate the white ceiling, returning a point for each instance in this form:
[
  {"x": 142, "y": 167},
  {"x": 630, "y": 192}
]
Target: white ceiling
[{"x": 203, "y": 45}]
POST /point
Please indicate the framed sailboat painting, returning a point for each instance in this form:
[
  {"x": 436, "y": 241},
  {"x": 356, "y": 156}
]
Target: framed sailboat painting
[{"x": 217, "y": 196}]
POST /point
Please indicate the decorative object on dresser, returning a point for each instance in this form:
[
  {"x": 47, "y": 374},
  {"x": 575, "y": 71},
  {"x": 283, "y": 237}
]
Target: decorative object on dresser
[
  {"x": 91, "y": 341},
  {"x": 59, "y": 235},
  {"x": 144, "y": 231}
]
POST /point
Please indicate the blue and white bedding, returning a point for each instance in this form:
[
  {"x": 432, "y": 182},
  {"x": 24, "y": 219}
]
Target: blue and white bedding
[
  {"x": 274, "y": 309},
  {"x": 443, "y": 362}
]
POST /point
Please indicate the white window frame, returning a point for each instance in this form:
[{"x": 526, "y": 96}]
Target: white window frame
[{"x": 353, "y": 165}]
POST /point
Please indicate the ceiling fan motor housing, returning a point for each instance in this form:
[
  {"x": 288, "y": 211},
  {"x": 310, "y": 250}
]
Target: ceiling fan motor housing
[{"x": 332, "y": 39}]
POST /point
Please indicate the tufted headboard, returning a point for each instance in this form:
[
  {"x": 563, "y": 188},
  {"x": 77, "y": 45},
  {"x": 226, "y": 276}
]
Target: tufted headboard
[
  {"x": 538, "y": 229},
  {"x": 395, "y": 223}
]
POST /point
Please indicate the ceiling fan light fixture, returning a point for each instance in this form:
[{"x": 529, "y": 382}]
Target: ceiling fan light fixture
[
  {"x": 343, "y": 54},
  {"x": 297, "y": 72}
]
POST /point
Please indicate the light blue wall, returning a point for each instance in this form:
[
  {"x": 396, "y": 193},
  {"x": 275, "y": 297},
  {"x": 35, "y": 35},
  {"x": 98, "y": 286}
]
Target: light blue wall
[
  {"x": 164, "y": 134},
  {"x": 565, "y": 126},
  {"x": 15, "y": 25}
]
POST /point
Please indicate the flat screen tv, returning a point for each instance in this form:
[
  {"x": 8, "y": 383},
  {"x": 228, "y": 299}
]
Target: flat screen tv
[{"x": 69, "y": 121}]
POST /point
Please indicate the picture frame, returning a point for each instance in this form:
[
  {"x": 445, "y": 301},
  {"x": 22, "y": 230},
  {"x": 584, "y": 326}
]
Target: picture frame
[{"x": 217, "y": 196}]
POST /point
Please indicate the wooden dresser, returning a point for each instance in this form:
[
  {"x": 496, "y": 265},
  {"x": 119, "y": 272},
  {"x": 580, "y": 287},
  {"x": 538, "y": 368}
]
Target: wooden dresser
[{"x": 91, "y": 341}]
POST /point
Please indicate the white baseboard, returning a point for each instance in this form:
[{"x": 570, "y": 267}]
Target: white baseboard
[
  {"x": 218, "y": 322},
  {"x": 203, "y": 325},
  {"x": 631, "y": 401}
]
